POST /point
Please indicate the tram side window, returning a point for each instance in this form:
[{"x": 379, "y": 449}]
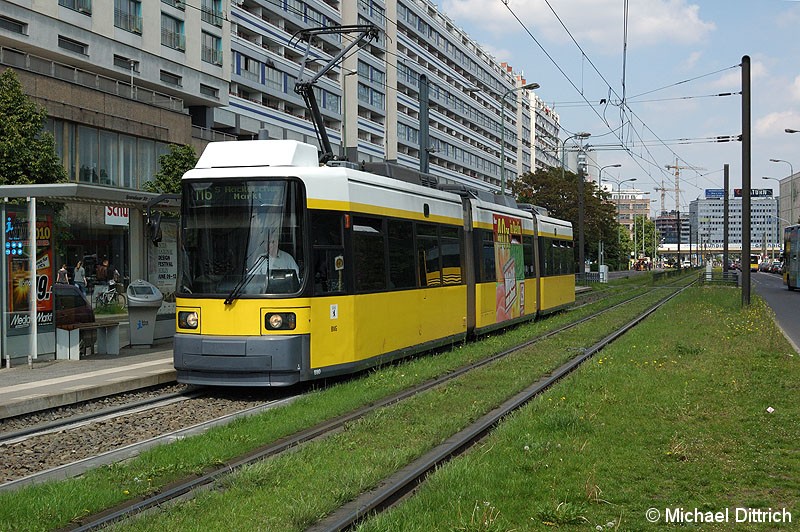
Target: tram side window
[
  {"x": 451, "y": 255},
  {"x": 547, "y": 256},
  {"x": 568, "y": 261},
  {"x": 527, "y": 251},
  {"x": 401, "y": 254},
  {"x": 485, "y": 255},
  {"x": 329, "y": 263},
  {"x": 428, "y": 255},
  {"x": 369, "y": 254}
]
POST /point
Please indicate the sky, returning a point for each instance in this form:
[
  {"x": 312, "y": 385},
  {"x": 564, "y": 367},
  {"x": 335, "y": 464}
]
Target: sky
[{"x": 677, "y": 57}]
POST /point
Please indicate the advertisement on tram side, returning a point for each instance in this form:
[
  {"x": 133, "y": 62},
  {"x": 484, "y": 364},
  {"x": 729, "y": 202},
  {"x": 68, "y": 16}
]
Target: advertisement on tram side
[{"x": 508, "y": 255}]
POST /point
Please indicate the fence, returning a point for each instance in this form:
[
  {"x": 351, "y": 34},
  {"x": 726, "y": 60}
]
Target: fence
[{"x": 723, "y": 278}]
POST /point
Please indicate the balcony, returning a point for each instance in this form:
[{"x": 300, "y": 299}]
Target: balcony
[{"x": 128, "y": 21}]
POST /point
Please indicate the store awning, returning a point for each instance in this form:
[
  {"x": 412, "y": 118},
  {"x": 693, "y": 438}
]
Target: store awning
[{"x": 85, "y": 193}]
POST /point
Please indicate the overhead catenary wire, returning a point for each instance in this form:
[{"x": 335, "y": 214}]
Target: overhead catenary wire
[{"x": 622, "y": 103}]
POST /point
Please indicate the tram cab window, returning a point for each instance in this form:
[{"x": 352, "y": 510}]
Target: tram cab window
[{"x": 243, "y": 237}]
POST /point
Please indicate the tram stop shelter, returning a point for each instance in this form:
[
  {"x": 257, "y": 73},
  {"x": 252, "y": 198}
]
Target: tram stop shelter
[{"x": 77, "y": 222}]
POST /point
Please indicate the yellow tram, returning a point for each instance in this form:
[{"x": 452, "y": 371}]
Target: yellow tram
[{"x": 292, "y": 271}]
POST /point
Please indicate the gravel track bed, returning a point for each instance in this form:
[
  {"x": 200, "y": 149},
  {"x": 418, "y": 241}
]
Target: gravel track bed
[
  {"x": 52, "y": 450},
  {"x": 25, "y": 421}
]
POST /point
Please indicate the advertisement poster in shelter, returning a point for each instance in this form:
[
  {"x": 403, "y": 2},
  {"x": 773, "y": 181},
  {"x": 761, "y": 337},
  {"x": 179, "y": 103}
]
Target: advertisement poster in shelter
[
  {"x": 162, "y": 267},
  {"x": 18, "y": 256},
  {"x": 509, "y": 267}
]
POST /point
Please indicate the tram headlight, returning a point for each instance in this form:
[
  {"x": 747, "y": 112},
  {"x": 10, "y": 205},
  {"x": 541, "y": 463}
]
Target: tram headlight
[
  {"x": 188, "y": 319},
  {"x": 280, "y": 321}
]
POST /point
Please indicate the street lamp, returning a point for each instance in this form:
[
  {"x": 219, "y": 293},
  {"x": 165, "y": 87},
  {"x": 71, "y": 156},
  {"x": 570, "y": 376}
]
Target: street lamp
[
  {"x": 530, "y": 86},
  {"x": 619, "y": 191},
  {"x": 580, "y": 135},
  {"x": 779, "y": 188},
  {"x": 600, "y": 174},
  {"x": 791, "y": 180}
]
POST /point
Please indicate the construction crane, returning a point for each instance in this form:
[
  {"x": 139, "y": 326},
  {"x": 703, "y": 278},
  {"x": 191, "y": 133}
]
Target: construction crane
[
  {"x": 677, "y": 169},
  {"x": 305, "y": 87},
  {"x": 663, "y": 191}
]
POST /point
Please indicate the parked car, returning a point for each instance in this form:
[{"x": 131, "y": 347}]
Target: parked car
[
  {"x": 776, "y": 267},
  {"x": 71, "y": 306}
]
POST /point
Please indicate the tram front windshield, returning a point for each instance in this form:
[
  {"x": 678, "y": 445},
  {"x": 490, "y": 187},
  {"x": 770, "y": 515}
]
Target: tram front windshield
[{"x": 242, "y": 237}]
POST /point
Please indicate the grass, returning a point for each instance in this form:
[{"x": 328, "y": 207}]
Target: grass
[
  {"x": 661, "y": 419},
  {"x": 340, "y": 467},
  {"x": 54, "y": 504}
]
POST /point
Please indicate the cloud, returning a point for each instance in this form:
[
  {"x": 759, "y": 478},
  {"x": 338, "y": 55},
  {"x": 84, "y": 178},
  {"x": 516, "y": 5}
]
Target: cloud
[
  {"x": 732, "y": 79},
  {"x": 692, "y": 60},
  {"x": 773, "y": 124},
  {"x": 598, "y": 23},
  {"x": 796, "y": 88}
]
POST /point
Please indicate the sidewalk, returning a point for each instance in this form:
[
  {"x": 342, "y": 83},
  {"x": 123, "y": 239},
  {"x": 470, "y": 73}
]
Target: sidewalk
[{"x": 54, "y": 383}]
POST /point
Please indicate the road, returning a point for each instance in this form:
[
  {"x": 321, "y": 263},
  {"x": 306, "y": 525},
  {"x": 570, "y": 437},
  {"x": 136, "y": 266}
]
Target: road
[{"x": 784, "y": 303}]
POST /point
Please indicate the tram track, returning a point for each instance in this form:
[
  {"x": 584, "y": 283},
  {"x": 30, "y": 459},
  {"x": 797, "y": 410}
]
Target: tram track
[
  {"x": 71, "y": 445},
  {"x": 396, "y": 488},
  {"x": 209, "y": 478},
  {"x": 69, "y": 452}
]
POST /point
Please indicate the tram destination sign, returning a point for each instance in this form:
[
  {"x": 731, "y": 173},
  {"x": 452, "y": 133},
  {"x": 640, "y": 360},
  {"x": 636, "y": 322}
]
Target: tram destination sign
[{"x": 754, "y": 192}]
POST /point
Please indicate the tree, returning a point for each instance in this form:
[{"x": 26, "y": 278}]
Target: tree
[
  {"x": 546, "y": 188},
  {"x": 27, "y": 153},
  {"x": 178, "y": 161}
]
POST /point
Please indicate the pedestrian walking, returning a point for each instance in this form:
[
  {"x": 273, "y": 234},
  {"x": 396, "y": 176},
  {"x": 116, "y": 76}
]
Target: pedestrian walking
[
  {"x": 79, "y": 277},
  {"x": 62, "y": 277}
]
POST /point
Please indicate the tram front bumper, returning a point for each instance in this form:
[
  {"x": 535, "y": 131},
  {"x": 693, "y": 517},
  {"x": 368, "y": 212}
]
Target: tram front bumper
[{"x": 278, "y": 360}]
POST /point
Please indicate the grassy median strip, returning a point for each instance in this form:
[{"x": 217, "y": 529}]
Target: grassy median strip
[
  {"x": 47, "y": 506},
  {"x": 292, "y": 491},
  {"x": 695, "y": 411}
]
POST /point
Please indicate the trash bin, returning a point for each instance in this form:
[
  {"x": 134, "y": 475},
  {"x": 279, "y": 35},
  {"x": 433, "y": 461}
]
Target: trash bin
[{"x": 144, "y": 300}]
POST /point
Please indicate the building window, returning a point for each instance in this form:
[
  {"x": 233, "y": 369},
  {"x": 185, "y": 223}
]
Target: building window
[
  {"x": 212, "y": 49},
  {"x": 11, "y": 24},
  {"x": 128, "y": 15},
  {"x": 126, "y": 63},
  {"x": 172, "y": 34},
  {"x": 209, "y": 91},
  {"x": 81, "y": 6},
  {"x": 274, "y": 79},
  {"x": 177, "y": 4},
  {"x": 170, "y": 78},
  {"x": 72, "y": 45},
  {"x": 211, "y": 12}
]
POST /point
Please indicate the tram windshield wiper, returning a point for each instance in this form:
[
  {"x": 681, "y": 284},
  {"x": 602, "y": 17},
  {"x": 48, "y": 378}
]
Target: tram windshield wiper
[{"x": 246, "y": 279}]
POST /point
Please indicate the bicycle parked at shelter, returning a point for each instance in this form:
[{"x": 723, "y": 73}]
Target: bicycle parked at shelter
[{"x": 112, "y": 296}]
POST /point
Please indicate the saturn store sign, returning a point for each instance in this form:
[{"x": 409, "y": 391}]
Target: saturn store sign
[{"x": 117, "y": 215}]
